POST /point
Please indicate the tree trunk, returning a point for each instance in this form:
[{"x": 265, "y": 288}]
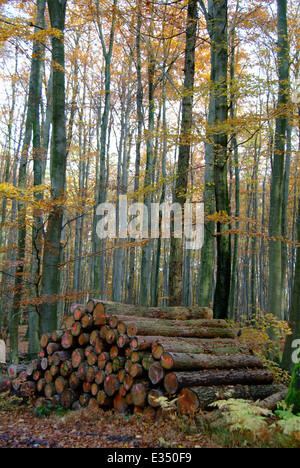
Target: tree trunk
[
  {"x": 187, "y": 361},
  {"x": 276, "y": 194},
  {"x": 181, "y": 183},
  {"x": 50, "y": 281}
]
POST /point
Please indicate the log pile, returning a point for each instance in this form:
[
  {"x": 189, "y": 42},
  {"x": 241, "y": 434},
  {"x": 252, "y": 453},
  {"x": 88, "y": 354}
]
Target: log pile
[{"x": 125, "y": 357}]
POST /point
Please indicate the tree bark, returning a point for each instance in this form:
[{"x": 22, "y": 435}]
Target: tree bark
[
  {"x": 52, "y": 246},
  {"x": 176, "y": 381},
  {"x": 181, "y": 183}
]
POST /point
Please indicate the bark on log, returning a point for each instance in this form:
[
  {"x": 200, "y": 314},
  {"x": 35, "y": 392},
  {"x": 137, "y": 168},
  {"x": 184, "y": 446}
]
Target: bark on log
[
  {"x": 155, "y": 329},
  {"x": 186, "y": 361},
  {"x": 184, "y": 313},
  {"x": 193, "y": 398},
  {"x": 198, "y": 346},
  {"x": 60, "y": 356},
  {"x": 175, "y": 381}
]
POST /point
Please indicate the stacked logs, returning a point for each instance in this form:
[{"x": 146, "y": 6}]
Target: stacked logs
[{"x": 126, "y": 357}]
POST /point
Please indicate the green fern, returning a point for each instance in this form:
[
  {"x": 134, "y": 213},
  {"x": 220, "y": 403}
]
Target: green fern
[{"x": 242, "y": 414}]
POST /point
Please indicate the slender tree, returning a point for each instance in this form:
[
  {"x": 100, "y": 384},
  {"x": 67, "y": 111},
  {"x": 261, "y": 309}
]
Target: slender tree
[
  {"x": 52, "y": 245},
  {"x": 183, "y": 164},
  {"x": 278, "y": 165}
]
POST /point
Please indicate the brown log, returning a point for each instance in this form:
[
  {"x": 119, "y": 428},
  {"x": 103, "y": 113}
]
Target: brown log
[
  {"x": 37, "y": 374},
  {"x": 111, "y": 385},
  {"x": 45, "y": 339},
  {"x": 103, "y": 331},
  {"x": 54, "y": 370},
  {"x": 60, "y": 356},
  {"x": 114, "y": 352},
  {"x": 94, "y": 335},
  {"x": 153, "y": 328},
  {"x": 139, "y": 393},
  {"x": 156, "y": 373},
  {"x": 103, "y": 358},
  {"x": 83, "y": 339},
  {"x": 57, "y": 336},
  {"x": 187, "y": 361},
  {"x": 128, "y": 382},
  {"x": 111, "y": 335},
  {"x": 76, "y": 328},
  {"x": 44, "y": 363},
  {"x": 86, "y": 386},
  {"x": 121, "y": 375},
  {"x": 118, "y": 363},
  {"x": 91, "y": 373},
  {"x": 120, "y": 404},
  {"x": 122, "y": 340},
  {"x": 84, "y": 399},
  {"x": 271, "y": 402},
  {"x": 49, "y": 390},
  {"x": 100, "y": 345},
  {"x": 108, "y": 368},
  {"x": 92, "y": 359},
  {"x": 99, "y": 315},
  {"x": 197, "y": 346},
  {"x": 147, "y": 361},
  {"x": 68, "y": 398},
  {"x": 172, "y": 313},
  {"x": 78, "y": 312},
  {"x": 142, "y": 343},
  {"x": 87, "y": 321},
  {"x": 40, "y": 385},
  {"x": 137, "y": 370},
  {"x": 61, "y": 383},
  {"x": 52, "y": 348},
  {"x": 100, "y": 376},
  {"x": 95, "y": 388},
  {"x": 77, "y": 357},
  {"x": 192, "y": 398},
  {"x": 29, "y": 369},
  {"x": 74, "y": 381},
  {"x": 15, "y": 369},
  {"x": 104, "y": 400},
  {"x": 91, "y": 304},
  {"x": 81, "y": 370},
  {"x": 137, "y": 356},
  {"x": 68, "y": 322},
  {"x": 153, "y": 397},
  {"x": 66, "y": 368},
  {"x": 48, "y": 377},
  {"x": 122, "y": 391},
  {"x": 68, "y": 341},
  {"x": 175, "y": 381}
]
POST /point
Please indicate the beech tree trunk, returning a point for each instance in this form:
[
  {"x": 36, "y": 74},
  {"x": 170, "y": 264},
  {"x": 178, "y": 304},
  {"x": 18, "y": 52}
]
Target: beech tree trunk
[
  {"x": 182, "y": 175},
  {"x": 52, "y": 249}
]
